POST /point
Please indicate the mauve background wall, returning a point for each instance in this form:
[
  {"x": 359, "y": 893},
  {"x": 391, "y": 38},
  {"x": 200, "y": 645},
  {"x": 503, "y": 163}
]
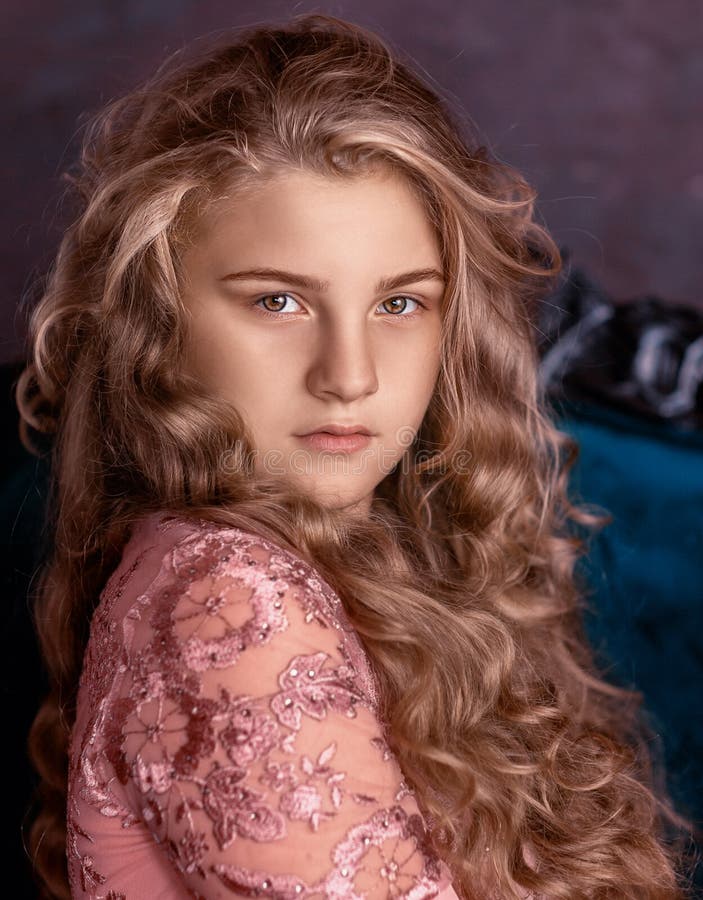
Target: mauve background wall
[{"x": 600, "y": 104}]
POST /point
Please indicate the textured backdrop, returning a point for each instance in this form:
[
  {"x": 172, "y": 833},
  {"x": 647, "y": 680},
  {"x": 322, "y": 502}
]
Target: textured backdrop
[{"x": 598, "y": 103}]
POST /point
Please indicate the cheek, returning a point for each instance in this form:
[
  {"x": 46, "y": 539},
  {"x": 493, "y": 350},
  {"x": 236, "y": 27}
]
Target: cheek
[
  {"x": 221, "y": 370},
  {"x": 428, "y": 375},
  {"x": 407, "y": 402},
  {"x": 217, "y": 353},
  {"x": 428, "y": 365},
  {"x": 204, "y": 347}
]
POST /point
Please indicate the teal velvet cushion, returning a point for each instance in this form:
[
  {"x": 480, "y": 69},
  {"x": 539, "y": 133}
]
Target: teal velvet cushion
[{"x": 644, "y": 573}]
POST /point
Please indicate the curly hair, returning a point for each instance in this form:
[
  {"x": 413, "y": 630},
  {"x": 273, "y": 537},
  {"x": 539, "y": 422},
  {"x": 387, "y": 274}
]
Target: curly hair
[{"x": 461, "y": 581}]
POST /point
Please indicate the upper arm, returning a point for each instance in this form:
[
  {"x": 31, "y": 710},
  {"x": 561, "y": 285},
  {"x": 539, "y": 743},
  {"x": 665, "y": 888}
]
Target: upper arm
[{"x": 248, "y": 747}]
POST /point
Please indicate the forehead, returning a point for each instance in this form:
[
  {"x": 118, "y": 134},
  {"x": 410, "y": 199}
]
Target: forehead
[{"x": 305, "y": 201}]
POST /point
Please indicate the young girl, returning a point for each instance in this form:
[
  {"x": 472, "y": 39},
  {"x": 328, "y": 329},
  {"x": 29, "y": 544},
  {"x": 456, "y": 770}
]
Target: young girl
[{"x": 288, "y": 662}]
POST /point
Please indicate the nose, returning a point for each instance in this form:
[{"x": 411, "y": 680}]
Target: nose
[{"x": 344, "y": 364}]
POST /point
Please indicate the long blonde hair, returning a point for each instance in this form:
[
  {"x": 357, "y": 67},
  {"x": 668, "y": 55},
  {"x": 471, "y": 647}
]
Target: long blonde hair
[{"x": 461, "y": 581}]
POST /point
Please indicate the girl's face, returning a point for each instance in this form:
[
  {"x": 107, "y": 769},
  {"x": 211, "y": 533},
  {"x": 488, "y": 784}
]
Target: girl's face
[{"x": 346, "y": 331}]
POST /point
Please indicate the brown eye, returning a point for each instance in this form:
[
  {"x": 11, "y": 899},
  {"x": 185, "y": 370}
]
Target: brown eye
[
  {"x": 401, "y": 303},
  {"x": 276, "y": 298},
  {"x": 279, "y": 301}
]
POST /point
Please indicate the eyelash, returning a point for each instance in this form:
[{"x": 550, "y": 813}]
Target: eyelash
[{"x": 277, "y": 315}]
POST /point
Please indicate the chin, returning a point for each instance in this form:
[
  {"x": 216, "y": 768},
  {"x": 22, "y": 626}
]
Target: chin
[{"x": 351, "y": 503}]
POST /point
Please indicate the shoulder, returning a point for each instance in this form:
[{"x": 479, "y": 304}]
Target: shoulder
[
  {"x": 214, "y": 591},
  {"x": 232, "y": 614},
  {"x": 195, "y": 552},
  {"x": 215, "y": 546},
  {"x": 246, "y": 736}
]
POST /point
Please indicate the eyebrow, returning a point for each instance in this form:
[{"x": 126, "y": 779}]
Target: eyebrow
[{"x": 315, "y": 284}]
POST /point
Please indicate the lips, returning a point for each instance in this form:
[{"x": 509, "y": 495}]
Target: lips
[
  {"x": 332, "y": 428},
  {"x": 346, "y": 443}
]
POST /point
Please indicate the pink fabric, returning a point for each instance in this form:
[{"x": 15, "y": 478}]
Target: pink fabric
[{"x": 227, "y": 741}]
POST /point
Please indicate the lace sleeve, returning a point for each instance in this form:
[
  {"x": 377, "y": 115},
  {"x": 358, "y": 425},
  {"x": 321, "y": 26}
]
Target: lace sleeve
[{"x": 246, "y": 741}]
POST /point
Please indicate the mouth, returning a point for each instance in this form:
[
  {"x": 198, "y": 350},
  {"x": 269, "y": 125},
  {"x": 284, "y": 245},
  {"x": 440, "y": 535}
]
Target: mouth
[
  {"x": 339, "y": 430},
  {"x": 346, "y": 443}
]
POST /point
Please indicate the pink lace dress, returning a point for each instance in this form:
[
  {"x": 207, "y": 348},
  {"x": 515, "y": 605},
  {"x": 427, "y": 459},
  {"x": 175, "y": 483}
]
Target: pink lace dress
[{"x": 227, "y": 742}]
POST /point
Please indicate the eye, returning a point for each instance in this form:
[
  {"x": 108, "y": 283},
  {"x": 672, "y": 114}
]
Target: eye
[
  {"x": 280, "y": 298},
  {"x": 411, "y": 315},
  {"x": 267, "y": 312}
]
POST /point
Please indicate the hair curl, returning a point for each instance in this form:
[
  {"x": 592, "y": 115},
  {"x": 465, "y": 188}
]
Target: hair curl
[{"x": 461, "y": 584}]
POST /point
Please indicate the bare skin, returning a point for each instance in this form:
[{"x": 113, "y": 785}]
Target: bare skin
[{"x": 351, "y": 352}]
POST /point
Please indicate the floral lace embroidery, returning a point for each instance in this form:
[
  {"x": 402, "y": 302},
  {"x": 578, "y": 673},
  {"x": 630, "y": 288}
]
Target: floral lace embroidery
[{"x": 254, "y": 784}]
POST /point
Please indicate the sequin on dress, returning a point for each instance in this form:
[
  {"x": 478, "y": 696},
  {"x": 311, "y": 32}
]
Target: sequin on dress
[{"x": 227, "y": 742}]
